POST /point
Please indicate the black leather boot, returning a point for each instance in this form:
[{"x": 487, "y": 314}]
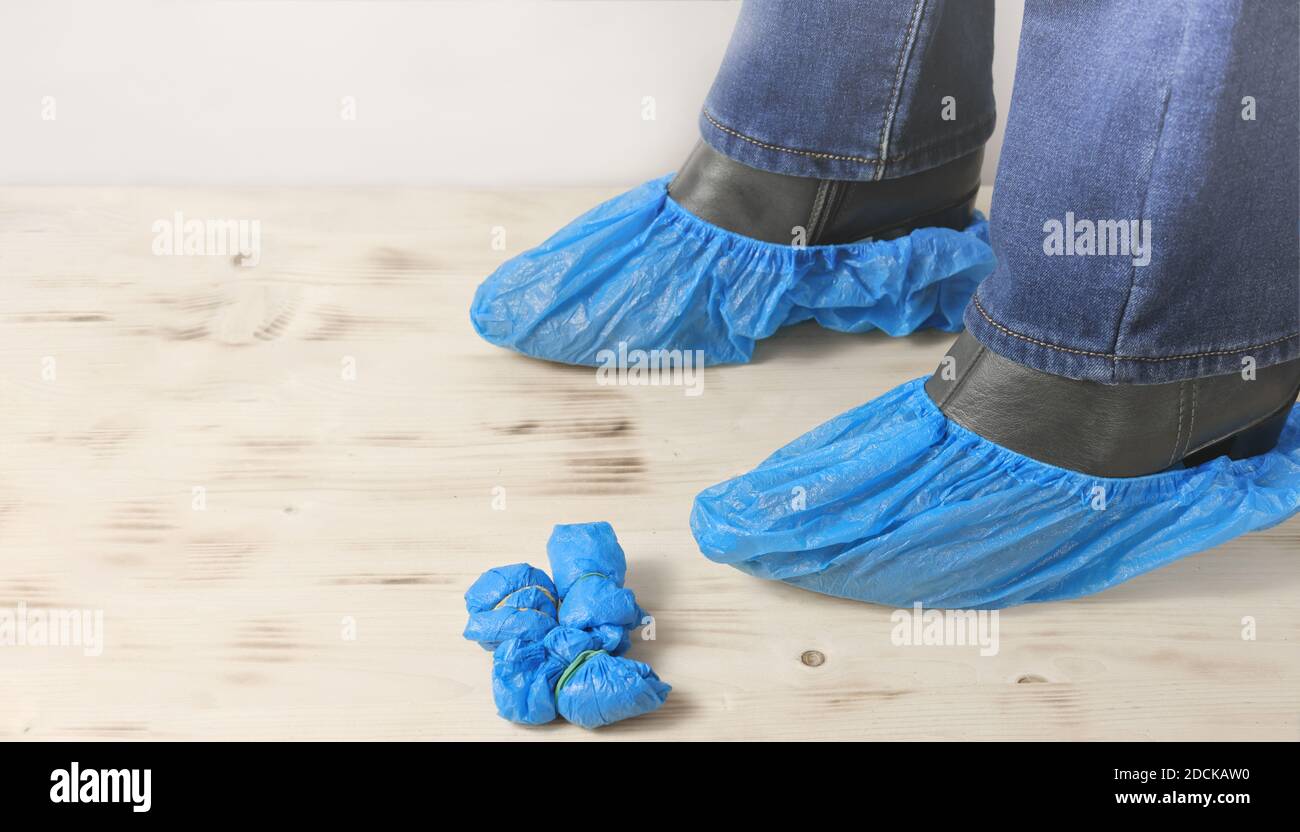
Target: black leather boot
[
  {"x": 1124, "y": 430},
  {"x": 770, "y": 206}
]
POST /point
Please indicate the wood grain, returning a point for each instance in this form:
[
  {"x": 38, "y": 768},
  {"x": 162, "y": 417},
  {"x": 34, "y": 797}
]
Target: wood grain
[{"x": 371, "y": 500}]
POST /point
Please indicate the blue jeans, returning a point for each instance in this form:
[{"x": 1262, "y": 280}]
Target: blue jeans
[{"x": 1147, "y": 198}]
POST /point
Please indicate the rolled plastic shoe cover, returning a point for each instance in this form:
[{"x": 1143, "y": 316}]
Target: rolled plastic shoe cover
[
  {"x": 589, "y": 568},
  {"x": 597, "y": 689},
  {"x": 569, "y": 674},
  {"x": 639, "y": 273},
  {"x": 893, "y": 503},
  {"x": 557, "y": 645},
  {"x": 516, "y": 601},
  {"x": 524, "y": 674}
]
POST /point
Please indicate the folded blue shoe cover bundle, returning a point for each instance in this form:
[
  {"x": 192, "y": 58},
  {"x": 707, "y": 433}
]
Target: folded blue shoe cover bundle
[
  {"x": 641, "y": 271},
  {"x": 893, "y": 503},
  {"x": 557, "y": 645}
]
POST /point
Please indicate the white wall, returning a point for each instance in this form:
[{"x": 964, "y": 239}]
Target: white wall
[{"x": 475, "y": 93}]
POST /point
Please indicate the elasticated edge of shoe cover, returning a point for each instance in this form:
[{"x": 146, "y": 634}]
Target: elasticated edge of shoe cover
[
  {"x": 641, "y": 271},
  {"x": 893, "y": 503}
]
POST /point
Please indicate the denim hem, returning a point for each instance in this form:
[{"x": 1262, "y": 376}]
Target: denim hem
[
  {"x": 736, "y": 145},
  {"x": 1107, "y": 368}
]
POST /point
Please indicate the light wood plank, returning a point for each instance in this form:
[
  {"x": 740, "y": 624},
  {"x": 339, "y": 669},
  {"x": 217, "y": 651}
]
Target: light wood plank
[{"x": 372, "y": 499}]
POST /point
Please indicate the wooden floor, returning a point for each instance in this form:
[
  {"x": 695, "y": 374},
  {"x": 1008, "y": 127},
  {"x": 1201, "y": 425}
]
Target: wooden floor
[{"x": 276, "y": 482}]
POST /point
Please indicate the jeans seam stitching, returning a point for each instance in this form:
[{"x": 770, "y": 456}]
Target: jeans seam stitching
[
  {"x": 1113, "y": 357},
  {"x": 981, "y": 124},
  {"x": 1146, "y": 191},
  {"x": 768, "y": 146},
  {"x": 863, "y": 160},
  {"x": 904, "y": 52}
]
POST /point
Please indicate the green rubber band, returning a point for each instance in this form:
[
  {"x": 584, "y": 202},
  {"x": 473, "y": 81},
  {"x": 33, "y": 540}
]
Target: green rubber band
[
  {"x": 579, "y": 578},
  {"x": 573, "y": 668}
]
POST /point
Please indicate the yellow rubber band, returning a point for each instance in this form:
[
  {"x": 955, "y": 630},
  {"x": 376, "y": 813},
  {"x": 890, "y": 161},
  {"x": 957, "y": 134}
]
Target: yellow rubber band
[{"x": 537, "y": 587}]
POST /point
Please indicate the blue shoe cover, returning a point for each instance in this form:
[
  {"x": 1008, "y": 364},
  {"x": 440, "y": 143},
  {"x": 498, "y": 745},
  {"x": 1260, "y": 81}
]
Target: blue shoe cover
[
  {"x": 568, "y": 673},
  {"x": 639, "y": 272},
  {"x": 524, "y": 674},
  {"x": 893, "y": 503},
  {"x": 516, "y": 601},
  {"x": 589, "y": 568},
  {"x": 567, "y": 643},
  {"x": 597, "y": 689},
  {"x": 577, "y": 549},
  {"x": 612, "y": 638},
  {"x": 541, "y": 669}
]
